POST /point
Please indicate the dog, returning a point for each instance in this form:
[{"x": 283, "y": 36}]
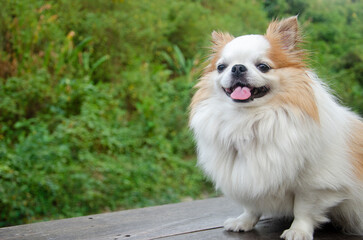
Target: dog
[{"x": 272, "y": 137}]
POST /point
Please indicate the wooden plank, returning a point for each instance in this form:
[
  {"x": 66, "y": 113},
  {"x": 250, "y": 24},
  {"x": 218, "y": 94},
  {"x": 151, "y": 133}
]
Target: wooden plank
[
  {"x": 201, "y": 219},
  {"x": 143, "y": 223},
  {"x": 266, "y": 229}
]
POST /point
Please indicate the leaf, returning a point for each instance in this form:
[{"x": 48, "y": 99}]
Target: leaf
[{"x": 99, "y": 62}]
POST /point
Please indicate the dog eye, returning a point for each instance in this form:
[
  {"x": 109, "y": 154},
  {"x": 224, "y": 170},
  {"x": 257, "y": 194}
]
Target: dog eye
[
  {"x": 263, "y": 67},
  {"x": 221, "y": 67}
]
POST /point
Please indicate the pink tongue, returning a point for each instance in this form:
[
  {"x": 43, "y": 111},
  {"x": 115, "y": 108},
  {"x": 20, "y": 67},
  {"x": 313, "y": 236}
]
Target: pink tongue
[{"x": 241, "y": 93}]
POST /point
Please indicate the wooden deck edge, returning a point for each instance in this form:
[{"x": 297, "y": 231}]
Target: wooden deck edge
[{"x": 201, "y": 219}]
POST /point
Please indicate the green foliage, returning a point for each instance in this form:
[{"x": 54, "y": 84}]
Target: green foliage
[
  {"x": 95, "y": 94},
  {"x": 178, "y": 63}
]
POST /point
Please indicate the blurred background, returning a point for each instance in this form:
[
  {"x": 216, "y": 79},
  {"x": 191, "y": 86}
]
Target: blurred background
[{"x": 94, "y": 95}]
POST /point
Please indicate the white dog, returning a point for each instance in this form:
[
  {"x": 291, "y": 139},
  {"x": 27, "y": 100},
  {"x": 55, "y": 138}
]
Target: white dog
[{"x": 272, "y": 137}]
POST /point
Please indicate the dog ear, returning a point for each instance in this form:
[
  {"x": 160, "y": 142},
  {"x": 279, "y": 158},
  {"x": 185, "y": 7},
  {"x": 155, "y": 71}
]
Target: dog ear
[
  {"x": 286, "y": 32},
  {"x": 220, "y": 39}
]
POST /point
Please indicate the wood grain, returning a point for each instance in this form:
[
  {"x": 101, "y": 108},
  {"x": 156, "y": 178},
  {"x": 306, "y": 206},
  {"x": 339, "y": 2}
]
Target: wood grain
[{"x": 200, "y": 219}]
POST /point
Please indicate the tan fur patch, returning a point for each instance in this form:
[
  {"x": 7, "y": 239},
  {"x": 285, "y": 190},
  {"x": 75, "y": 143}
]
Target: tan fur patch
[
  {"x": 219, "y": 40},
  {"x": 356, "y": 147},
  {"x": 281, "y": 58},
  {"x": 288, "y": 61},
  {"x": 205, "y": 90},
  {"x": 285, "y": 39},
  {"x": 205, "y": 86},
  {"x": 295, "y": 90}
]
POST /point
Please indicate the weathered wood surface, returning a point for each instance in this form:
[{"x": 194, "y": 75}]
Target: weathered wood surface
[{"x": 201, "y": 219}]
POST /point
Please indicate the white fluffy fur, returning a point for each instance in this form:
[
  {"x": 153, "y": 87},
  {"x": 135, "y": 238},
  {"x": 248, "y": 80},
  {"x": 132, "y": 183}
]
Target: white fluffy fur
[{"x": 274, "y": 161}]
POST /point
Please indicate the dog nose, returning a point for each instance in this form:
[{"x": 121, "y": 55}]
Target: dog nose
[{"x": 238, "y": 70}]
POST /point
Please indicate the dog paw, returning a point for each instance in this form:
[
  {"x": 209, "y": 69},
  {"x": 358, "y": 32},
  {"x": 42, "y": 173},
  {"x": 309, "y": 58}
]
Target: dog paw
[
  {"x": 296, "y": 234},
  {"x": 239, "y": 224}
]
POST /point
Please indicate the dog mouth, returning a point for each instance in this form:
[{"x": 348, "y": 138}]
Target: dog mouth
[{"x": 245, "y": 93}]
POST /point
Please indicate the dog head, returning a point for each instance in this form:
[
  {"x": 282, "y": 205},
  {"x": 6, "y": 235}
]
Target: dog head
[{"x": 259, "y": 70}]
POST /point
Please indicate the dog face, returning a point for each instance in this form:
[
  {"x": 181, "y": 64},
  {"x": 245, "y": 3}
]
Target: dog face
[{"x": 244, "y": 71}]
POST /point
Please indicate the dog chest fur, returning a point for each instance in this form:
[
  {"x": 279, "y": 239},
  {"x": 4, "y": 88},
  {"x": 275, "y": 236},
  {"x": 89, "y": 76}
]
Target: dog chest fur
[{"x": 260, "y": 157}]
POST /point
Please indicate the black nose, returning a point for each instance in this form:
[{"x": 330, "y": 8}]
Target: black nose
[{"x": 238, "y": 70}]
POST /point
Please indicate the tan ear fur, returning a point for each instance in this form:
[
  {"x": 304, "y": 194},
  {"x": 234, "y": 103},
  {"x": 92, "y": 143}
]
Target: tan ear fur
[
  {"x": 285, "y": 38},
  {"x": 205, "y": 86},
  {"x": 219, "y": 40},
  {"x": 287, "y": 31}
]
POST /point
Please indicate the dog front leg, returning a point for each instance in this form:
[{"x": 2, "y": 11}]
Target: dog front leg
[
  {"x": 309, "y": 211},
  {"x": 245, "y": 222}
]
